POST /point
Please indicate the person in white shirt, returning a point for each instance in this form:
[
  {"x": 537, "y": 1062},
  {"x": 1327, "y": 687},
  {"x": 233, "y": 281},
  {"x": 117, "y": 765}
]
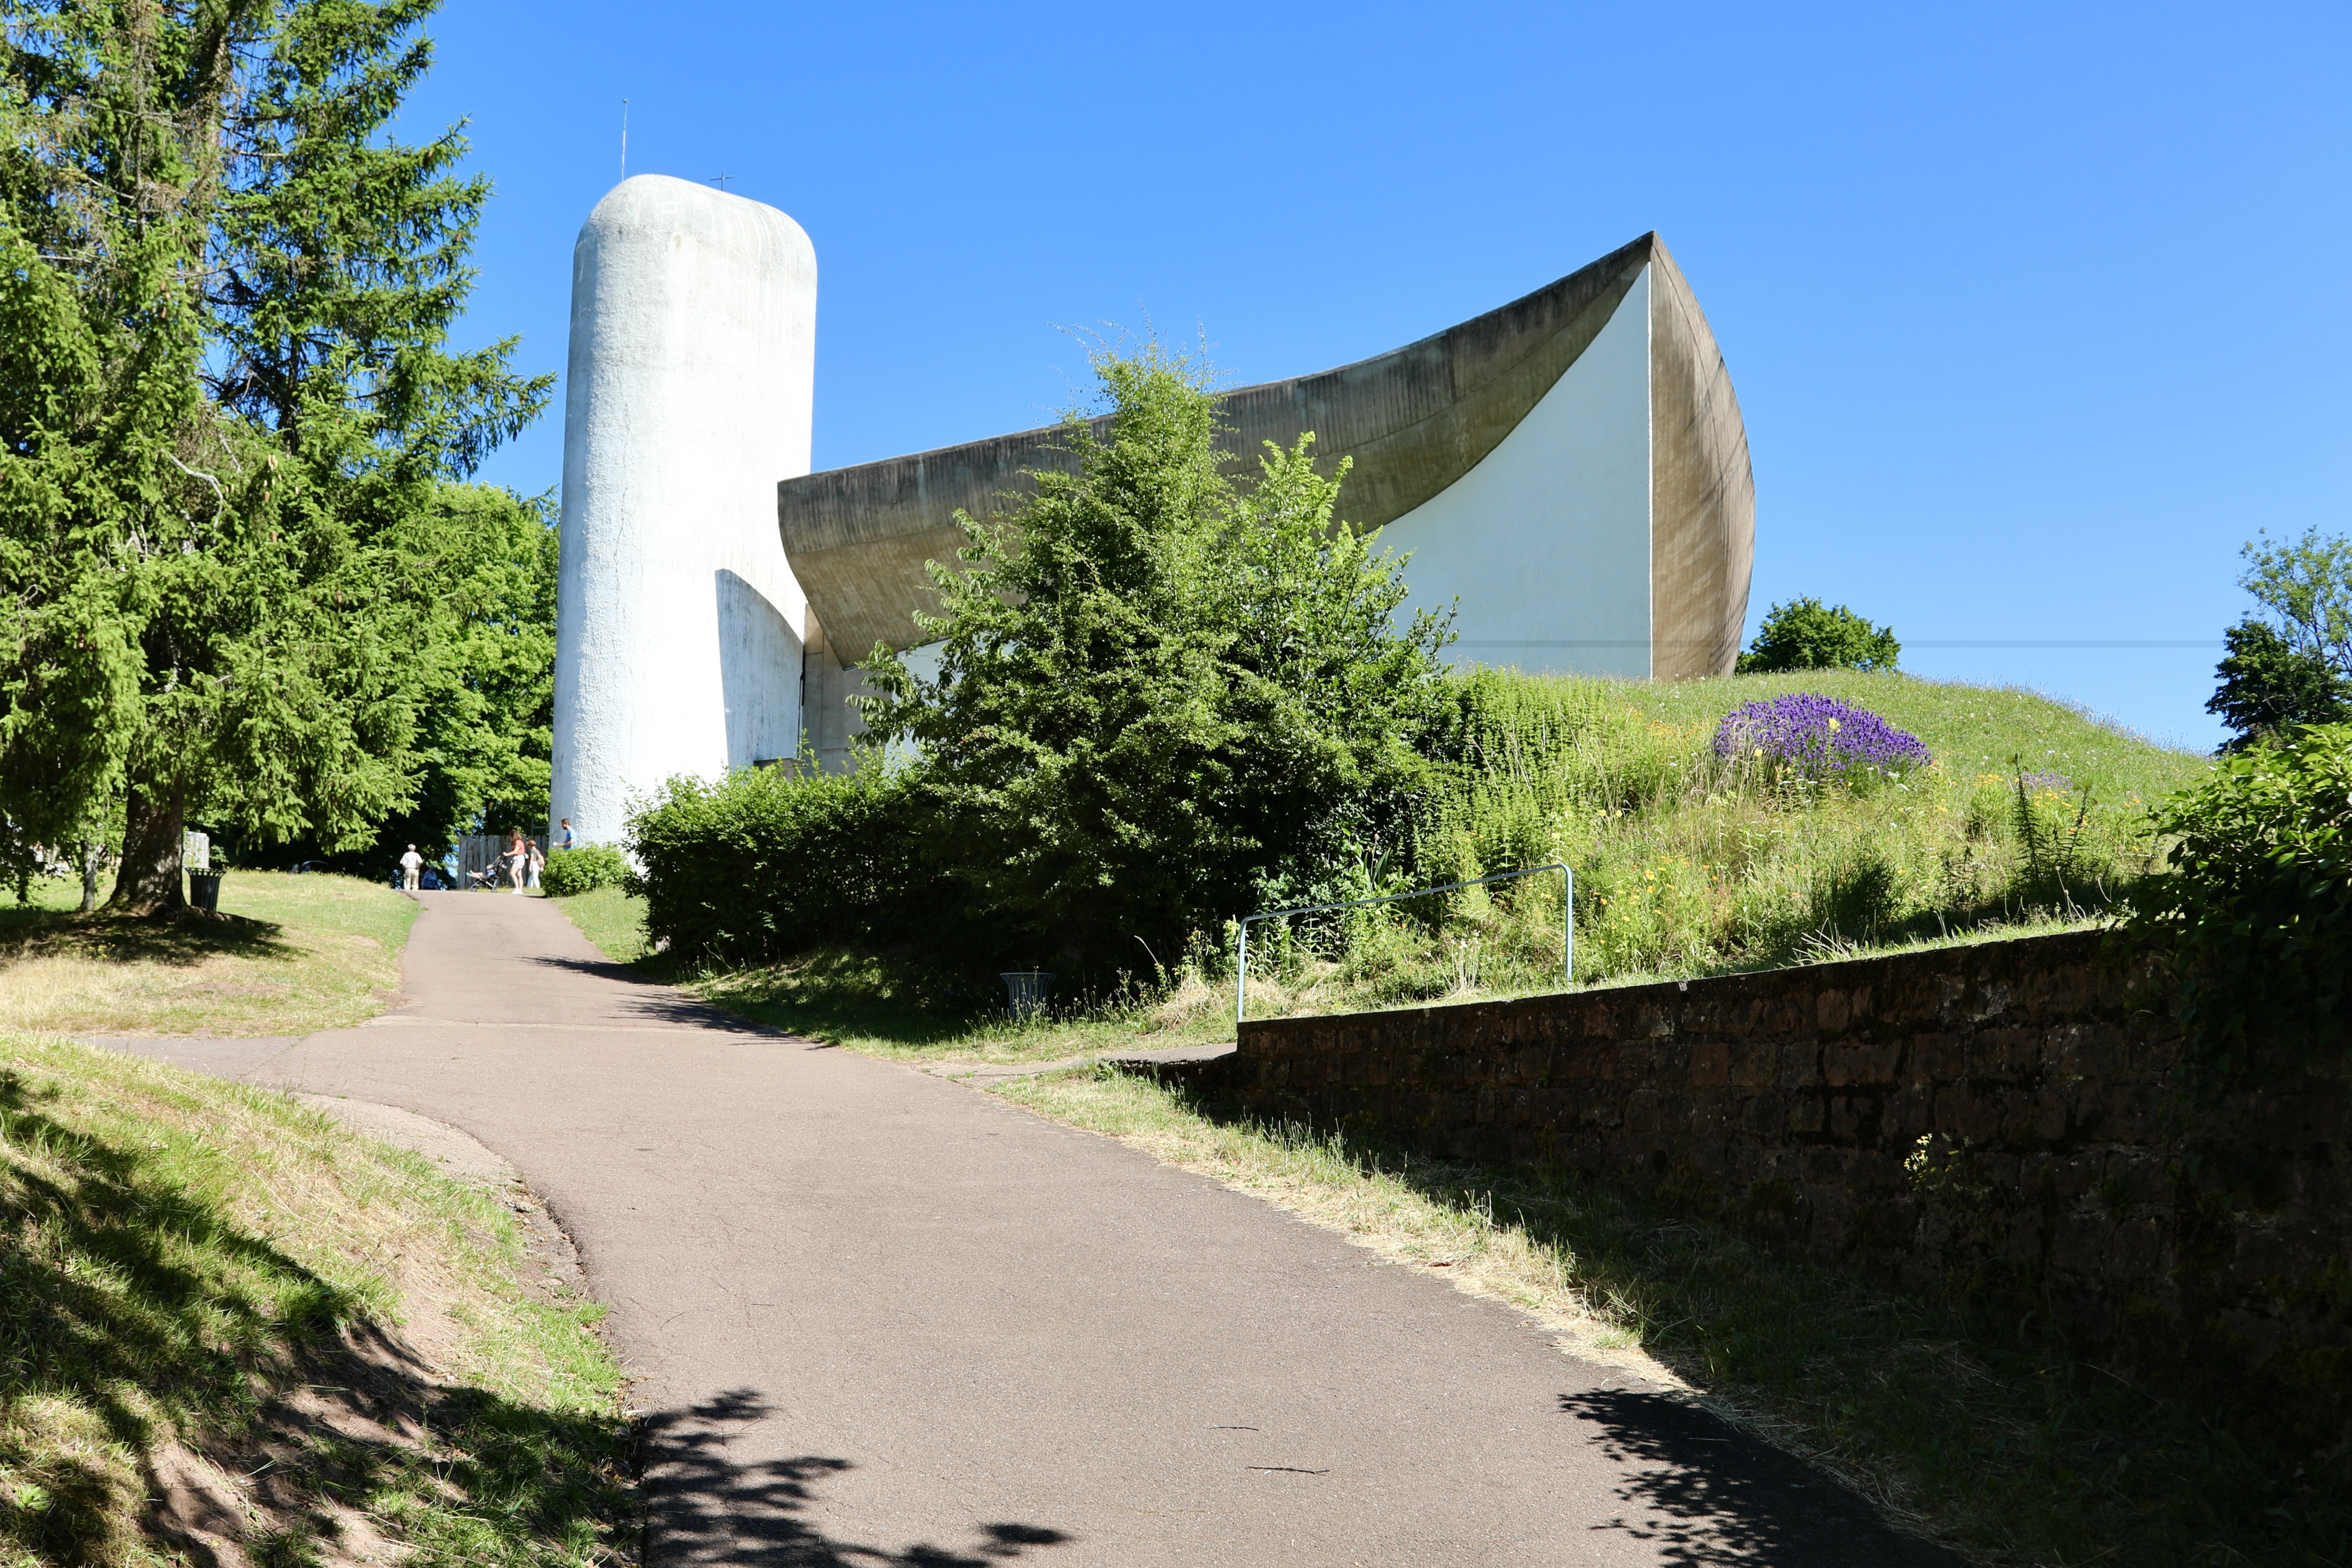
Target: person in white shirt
[{"x": 410, "y": 864}]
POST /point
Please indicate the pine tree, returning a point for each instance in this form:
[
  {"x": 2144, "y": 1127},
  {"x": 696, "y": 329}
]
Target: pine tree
[
  {"x": 228, "y": 417},
  {"x": 1161, "y": 694}
]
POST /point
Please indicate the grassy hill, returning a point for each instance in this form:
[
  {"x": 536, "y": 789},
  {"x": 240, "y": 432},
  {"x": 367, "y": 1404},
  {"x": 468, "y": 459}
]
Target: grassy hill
[{"x": 2030, "y": 814}]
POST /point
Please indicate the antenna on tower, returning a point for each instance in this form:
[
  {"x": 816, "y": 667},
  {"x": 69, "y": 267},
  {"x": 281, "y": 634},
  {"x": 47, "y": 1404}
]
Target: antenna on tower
[{"x": 624, "y": 138}]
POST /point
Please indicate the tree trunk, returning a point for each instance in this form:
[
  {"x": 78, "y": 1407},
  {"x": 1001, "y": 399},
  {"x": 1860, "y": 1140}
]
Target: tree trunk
[{"x": 148, "y": 880}]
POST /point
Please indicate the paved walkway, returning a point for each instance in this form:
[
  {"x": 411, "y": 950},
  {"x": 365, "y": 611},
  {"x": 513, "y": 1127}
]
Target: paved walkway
[{"x": 876, "y": 1316}]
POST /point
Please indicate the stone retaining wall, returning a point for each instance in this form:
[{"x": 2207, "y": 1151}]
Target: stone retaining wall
[{"x": 2001, "y": 1117}]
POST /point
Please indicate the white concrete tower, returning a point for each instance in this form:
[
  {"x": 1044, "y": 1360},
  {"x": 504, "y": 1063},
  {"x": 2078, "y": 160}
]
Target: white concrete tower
[{"x": 678, "y": 624}]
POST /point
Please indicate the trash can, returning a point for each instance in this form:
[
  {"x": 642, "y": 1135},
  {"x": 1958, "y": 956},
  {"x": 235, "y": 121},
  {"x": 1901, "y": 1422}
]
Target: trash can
[
  {"x": 204, "y": 890},
  {"x": 1026, "y": 991}
]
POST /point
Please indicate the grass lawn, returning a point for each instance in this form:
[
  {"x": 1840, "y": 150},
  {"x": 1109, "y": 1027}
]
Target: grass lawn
[
  {"x": 227, "y": 1320},
  {"x": 299, "y": 953},
  {"x": 615, "y": 921},
  {"x": 897, "y": 1006}
]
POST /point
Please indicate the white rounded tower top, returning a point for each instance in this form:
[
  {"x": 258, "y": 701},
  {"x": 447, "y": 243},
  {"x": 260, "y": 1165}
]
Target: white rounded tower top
[{"x": 678, "y": 624}]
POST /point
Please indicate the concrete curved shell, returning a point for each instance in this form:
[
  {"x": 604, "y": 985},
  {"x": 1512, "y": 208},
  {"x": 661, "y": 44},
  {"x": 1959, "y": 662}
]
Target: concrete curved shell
[
  {"x": 678, "y": 624},
  {"x": 1677, "y": 526}
]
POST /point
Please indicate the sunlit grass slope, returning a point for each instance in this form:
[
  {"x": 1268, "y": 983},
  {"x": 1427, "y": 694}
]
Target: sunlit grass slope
[
  {"x": 225, "y": 1319},
  {"x": 299, "y": 953}
]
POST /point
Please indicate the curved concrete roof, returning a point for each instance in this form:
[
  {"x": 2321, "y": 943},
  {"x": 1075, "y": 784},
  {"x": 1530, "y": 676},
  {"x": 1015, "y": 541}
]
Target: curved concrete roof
[{"x": 1415, "y": 420}]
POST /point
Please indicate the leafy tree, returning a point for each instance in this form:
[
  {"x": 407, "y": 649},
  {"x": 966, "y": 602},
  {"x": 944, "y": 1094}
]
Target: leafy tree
[
  {"x": 1158, "y": 693},
  {"x": 2258, "y": 909},
  {"x": 2269, "y": 685},
  {"x": 1804, "y": 633},
  {"x": 2307, "y": 588},
  {"x": 225, "y": 421},
  {"x": 487, "y": 726},
  {"x": 486, "y": 682}
]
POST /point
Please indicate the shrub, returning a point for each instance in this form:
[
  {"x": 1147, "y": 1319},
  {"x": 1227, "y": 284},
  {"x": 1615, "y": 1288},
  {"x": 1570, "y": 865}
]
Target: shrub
[
  {"x": 1804, "y": 635},
  {"x": 1162, "y": 698},
  {"x": 592, "y": 865},
  {"x": 763, "y": 864},
  {"x": 1820, "y": 740},
  {"x": 2258, "y": 911}
]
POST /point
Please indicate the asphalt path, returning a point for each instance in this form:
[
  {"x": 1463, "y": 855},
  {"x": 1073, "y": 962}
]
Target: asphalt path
[{"x": 873, "y": 1317}]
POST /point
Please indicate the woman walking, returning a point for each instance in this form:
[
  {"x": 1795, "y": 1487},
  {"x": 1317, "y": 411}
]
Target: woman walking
[
  {"x": 538, "y": 863},
  {"x": 517, "y": 862}
]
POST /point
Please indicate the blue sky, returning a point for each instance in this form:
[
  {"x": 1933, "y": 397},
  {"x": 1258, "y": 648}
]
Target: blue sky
[{"x": 2036, "y": 313}]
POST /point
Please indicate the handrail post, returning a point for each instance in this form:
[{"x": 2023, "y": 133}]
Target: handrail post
[
  {"x": 1241, "y": 977},
  {"x": 1567, "y": 926}
]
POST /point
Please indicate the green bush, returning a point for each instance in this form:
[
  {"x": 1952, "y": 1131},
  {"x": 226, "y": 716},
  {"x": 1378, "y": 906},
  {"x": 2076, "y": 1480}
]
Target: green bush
[
  {"x": 2257, "y": 910},
  {"x": 570, "y": 872},
  {"x": 1163, "y": 698},
  {"x": 1804, "y": 633},
  {"x": 764, "y": 864}
]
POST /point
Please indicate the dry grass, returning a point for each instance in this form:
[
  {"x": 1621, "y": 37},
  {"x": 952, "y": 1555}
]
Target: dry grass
[
  {"x": 234, "y": 1332},
  {"x": 2005, "y": 1449},
  {"x": 296, "y": 955},
  {"x": 1319, "y": 1179}
]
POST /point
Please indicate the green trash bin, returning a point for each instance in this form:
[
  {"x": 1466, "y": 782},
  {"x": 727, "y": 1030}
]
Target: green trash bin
[{"x": 204, "y": 890}]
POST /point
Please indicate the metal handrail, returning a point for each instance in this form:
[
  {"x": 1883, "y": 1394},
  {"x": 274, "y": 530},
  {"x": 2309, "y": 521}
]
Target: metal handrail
[{"x": 1567, "y": 936}]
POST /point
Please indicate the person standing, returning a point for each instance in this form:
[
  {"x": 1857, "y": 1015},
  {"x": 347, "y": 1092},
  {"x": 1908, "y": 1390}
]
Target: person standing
[
  {"x": 538, "y": 864},
  {"x": 411, "y": 865},
  {"x": 517, "y": 862},
  {"x": 564, "y": 837}
]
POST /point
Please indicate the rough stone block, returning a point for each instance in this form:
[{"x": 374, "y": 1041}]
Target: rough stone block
[{"x": 1710, "y": 1063}]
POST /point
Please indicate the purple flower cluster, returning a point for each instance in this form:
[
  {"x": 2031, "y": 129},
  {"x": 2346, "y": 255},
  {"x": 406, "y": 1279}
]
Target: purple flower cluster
[
  {"x": 1817, "y": 737},
  {"x": 2050, "y": 781}
]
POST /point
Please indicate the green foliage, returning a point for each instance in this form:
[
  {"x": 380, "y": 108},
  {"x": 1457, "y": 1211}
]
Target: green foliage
[
  {"x": 486, "y": 637},
  {"x": 226, "y": 423},
  {"x": 1804, "y": 635},
  {"x": 2258, "y": 911},
  {"x": 2307, "y": 586},
  {"x": 1160, "y": 696},
  {"x": 763, "y": 864},
  {"x": 2270, "y": 685},
  {"x": 581, "y": 870},
  {"x": 2048, "y": 822}
]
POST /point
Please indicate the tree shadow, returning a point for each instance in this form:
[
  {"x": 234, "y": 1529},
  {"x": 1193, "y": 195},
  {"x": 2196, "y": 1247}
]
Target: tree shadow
[
  {"x": 134, "y": 1310},
  {"x": 904, "y": 998},
  {"x": 703, "y": 1507},
  {"x": 658, "y": 997},
  {"x": 2007, "y": 1431},
  {"x": 180, "y": 940},
  {"x": 1707, "y": 1493}
]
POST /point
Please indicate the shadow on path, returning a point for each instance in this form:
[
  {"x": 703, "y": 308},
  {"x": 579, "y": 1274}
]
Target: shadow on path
[
  {"x": 1708, "y": 1494},
  {"x": 704, "y": 1508},
  {"x": 656, "y": 998}
]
